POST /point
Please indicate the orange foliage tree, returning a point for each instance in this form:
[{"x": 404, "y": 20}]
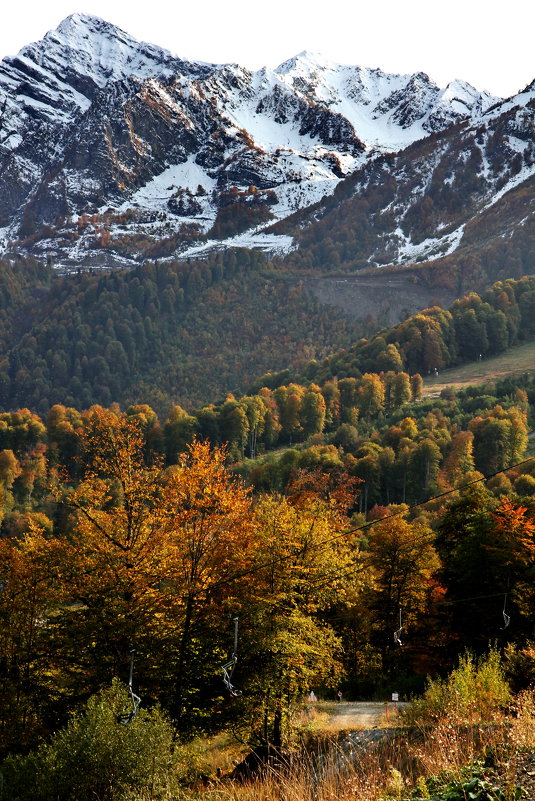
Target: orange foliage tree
[{"x": 150, "y": 561}]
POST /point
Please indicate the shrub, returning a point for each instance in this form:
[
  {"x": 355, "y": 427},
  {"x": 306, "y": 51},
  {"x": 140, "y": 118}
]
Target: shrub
[
  {"x": 474, "y": 692},
  {"x": 474, "y": 789},
  {"x": 94, "y": 758}
]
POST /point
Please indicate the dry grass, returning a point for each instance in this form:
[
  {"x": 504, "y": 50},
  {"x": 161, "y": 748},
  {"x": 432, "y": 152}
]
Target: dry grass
[
  {"x": 215, "y": 755},
  {"x": 344, "y": 771},
  {"x": 514, "y": 362},
  {"x": 345, "y": 774}
]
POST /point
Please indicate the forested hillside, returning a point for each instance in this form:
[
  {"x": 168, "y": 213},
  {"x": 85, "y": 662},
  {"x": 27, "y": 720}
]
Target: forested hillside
[
  {"x": 493, "y": 247},
  {"x": 163, "y": 333},
  {"x": 363, "y": 537},
  {"x": 121, "y": 530},
  {"x": 189, "y": 333}
]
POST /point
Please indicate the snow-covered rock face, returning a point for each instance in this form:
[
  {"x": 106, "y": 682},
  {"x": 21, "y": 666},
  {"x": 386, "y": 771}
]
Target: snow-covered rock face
[
  {"x": 55, "y": 78},
  {"x": 109, "y": 145},
  {"x": 387, "y": 111}
]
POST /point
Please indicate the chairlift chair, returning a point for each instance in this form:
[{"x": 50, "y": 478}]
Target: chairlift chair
[
  {"x": 228, "y": 667},
  {"x": 135, "y": 700}
]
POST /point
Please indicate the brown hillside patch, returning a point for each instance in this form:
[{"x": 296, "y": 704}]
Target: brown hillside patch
[{"x": 514, "y": 362}]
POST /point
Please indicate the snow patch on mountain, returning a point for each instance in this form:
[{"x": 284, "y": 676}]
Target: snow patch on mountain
[
  {"x": 255, "y": 239},
  {"x": 525, "y": 173},
  {"x": 429, "y": 249},
  {"x": 387, "y": 111},
  {"x": 157, "y": 192}
]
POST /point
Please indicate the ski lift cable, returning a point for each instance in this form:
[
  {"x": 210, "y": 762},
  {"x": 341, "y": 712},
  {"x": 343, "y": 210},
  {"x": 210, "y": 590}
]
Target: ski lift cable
[{"x": 370, "y": 524}]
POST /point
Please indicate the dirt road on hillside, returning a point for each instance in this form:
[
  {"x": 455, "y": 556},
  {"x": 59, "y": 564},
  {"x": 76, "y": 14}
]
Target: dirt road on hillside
[{"x": 362, "y": 714}]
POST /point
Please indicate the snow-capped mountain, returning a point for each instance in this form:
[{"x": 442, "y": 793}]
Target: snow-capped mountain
[
  {"x": 113, "y": 150},
  {"x": 464, "y": 188}
]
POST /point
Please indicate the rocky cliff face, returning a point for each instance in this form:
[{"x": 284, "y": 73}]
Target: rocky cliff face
[{"x": 113, "y": 150}]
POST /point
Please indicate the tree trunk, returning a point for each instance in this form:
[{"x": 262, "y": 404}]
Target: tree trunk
[{"x": 177, "y": 709}]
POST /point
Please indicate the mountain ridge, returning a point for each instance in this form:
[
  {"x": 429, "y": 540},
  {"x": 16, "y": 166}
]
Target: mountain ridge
[{"x": 138, "y": 133}]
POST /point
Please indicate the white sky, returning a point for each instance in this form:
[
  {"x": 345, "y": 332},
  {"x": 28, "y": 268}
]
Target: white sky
[{"x": 488, "y": 44}]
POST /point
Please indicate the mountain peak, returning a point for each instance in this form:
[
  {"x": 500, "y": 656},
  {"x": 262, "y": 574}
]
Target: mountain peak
[
  {"x": 307, "y": 60},
  {"x": 460, "y": 94},
  {"x": 79, "y": 21},
  {"x": 54, "y": 79},
  {"x": 85, "y": 30},
  {"x": 97, "y": 51}
]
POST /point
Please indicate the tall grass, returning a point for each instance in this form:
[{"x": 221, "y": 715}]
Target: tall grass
[
  {"x": 416, "y": 761},
  {"x": 449, "y": 731},
  {"x": 457, "y": 724}
]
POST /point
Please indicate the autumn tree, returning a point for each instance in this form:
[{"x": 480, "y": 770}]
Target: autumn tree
[
  {"x": 64, "y": 428},
  {"x": 31, "y": 484},
  {"x": 113, "y": 555},
  {"x": 29, "y": 681},
  {"x": 513, "y": 552},
  {"x": 20, "y": 430},
  {"x": 404, "y": 561},
  {"x": 500, "y": 438},
  {"x": 460, "y": 459},
  {"x": 390, "y": 359},
  {"x": 304, "y": 565},
  {"x": 331, "y": 394},
  {"x": 401, "y": 390},
  {"x": 234, "y": 425},
  {"x": 290, "y": 402},
  {"x": 150, "y": 427},
  {"x": 272, "y": 425},
  {"x": 371, "y": 395},
  {"x": 313, "y": 411},
  {"x": 208, "y": 546},
  {"x": 10, "y": 470},
  {"x": 417, "y": 384},
  {"x": 349, "y": 397},
  {"x": 425, "y": 460},
  {"x": 208, "y": 424},
  {"x": 255, "y": 410},
  {"x": 178, "y": 431}
]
